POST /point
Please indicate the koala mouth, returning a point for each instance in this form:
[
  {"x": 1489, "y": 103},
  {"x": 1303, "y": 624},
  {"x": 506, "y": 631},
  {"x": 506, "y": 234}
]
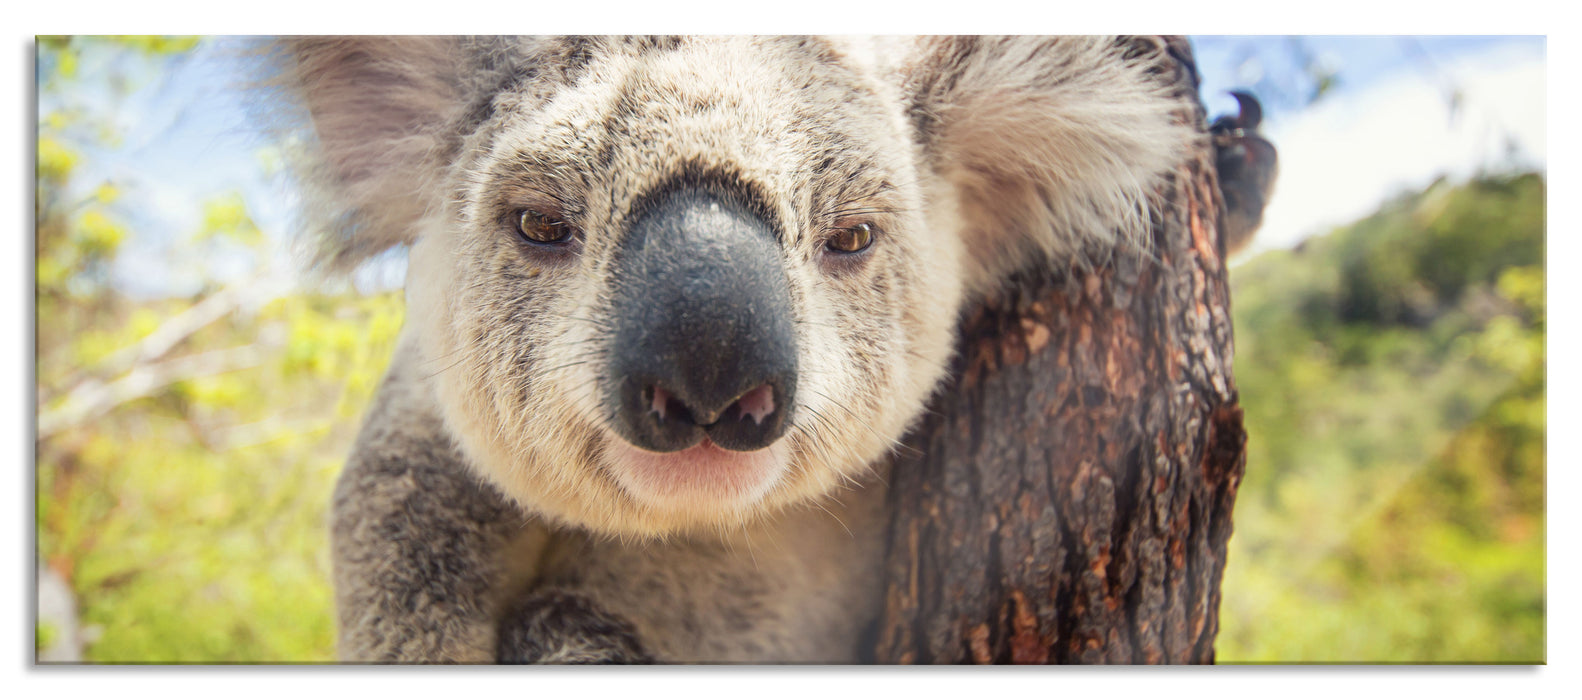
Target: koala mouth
[{"x": 704, "y": 474}]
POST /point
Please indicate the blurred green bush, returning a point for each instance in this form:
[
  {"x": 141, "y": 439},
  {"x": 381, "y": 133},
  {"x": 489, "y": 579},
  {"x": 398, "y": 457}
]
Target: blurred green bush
[
  {"x": 186, "y": 446},
  {"x": 1392, "y": 374}
]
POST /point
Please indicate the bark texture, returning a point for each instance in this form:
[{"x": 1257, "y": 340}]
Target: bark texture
[{"x": 1068, "y": 499}]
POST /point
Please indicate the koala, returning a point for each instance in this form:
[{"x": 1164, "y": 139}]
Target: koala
[{"x": 672, "y": 304}]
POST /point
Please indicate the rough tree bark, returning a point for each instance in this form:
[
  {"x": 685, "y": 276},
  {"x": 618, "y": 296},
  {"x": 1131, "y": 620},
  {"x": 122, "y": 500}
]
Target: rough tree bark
[{"x": 1068, "y": 499}]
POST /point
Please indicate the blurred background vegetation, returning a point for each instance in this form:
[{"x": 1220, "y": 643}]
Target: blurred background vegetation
[
  {"x": 187, "y": 446},
  {"x": 1392, "y": 373}
]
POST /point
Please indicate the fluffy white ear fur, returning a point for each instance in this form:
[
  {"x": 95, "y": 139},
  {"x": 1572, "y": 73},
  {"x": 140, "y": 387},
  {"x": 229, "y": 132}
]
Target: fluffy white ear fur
[
  {"x": 382, "y": 109},
  {"x": 1055, "y": 144}
]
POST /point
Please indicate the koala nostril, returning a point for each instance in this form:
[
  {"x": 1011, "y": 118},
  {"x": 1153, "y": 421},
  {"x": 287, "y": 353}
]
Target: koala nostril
[
  {"x": 659, "y": 401},
  {"x": 661, "y": 419},
  {"x": 758, "y": 403},
  {"x": 665, "y": 405}
]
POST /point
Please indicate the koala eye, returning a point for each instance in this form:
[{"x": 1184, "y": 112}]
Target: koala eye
[
  {"x": 538, "y": 227},
  {"x": 852, "y": 239}
]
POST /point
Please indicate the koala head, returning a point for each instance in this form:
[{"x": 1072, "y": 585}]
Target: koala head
[{"x": 668, "y": 284}]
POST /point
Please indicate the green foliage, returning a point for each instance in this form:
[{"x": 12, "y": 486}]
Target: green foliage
[
  {"x": 1392, "y": 374},
  {"x": 189, "y": 517},
  {"x": 191, "y": 522},
  {"x": 77, "y": 236},
  {"x": 44, "y": 634},
  {"x": 227, "y": 216}
]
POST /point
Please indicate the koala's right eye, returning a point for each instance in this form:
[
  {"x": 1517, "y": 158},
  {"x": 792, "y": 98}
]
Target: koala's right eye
[{"x": 541, "y": 228}]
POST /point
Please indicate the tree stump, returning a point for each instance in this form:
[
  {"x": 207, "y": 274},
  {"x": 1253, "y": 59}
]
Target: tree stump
[{"x": 1068, "y": 498}]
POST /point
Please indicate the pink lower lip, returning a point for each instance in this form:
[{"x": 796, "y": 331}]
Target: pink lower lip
[{"x": 704, "y": 471}]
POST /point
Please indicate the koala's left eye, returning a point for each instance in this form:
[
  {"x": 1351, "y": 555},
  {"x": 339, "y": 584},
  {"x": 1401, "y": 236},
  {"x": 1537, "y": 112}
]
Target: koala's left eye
[
  {"x": 538, "y": 227},
  {"x": 852, "y": 239}
]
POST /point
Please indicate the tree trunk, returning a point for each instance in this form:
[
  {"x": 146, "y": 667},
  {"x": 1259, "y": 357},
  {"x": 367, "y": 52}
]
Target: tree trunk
[{"x": 1068, "y": 499}]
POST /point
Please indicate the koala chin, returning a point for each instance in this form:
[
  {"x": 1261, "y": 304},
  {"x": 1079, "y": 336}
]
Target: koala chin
[{"x": 672, "y": 302}]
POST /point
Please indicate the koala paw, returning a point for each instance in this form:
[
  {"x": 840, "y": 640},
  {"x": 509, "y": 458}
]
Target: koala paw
[{"x": 555, "y": 627}]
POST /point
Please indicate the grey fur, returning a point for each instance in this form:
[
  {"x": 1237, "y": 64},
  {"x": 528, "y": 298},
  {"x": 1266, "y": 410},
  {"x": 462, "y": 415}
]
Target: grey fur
[{"x": 488, "y": 512}]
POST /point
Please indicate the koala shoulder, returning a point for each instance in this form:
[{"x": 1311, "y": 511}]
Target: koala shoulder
[{"x": 412, "y": 521}]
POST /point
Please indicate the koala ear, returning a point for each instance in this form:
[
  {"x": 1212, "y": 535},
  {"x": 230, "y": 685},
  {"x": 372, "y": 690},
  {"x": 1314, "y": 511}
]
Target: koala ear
[
  {"x": 1053, "y": 144},
  {"x": 384, "y": 111}
]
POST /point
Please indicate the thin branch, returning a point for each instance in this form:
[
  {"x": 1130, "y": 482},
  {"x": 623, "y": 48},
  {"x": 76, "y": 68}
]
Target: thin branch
[
  {"x": 164, "y": 338},
  {"x": 93, "y": 398}
]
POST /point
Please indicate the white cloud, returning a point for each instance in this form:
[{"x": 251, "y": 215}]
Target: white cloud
[{"x": 1345, "y": 156}]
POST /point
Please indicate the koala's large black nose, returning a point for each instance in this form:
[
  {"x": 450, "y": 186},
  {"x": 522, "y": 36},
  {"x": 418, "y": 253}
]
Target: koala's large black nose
[{"x": 703, "y": 341}]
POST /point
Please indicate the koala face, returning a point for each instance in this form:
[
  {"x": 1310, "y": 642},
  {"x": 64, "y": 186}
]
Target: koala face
[
  {"x": 689, "y": 285},
  {"x": 671, "y": 284}
]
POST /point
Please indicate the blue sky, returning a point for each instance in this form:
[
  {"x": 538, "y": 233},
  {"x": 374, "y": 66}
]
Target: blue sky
[
  {"x": 1386, "y": 126},
  {"x": 1404, "y": 112},
  {"x": 1360, "y": 61}
]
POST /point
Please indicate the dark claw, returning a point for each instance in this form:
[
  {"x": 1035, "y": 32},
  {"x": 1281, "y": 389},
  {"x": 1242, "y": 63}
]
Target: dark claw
[{"x": 1248, "y": 166}]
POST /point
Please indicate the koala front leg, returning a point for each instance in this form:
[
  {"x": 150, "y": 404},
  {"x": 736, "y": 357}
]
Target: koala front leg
[
  {"x": 557, "y": 626},
  {"x": 560, "y": 619},
  {"x": 424, "y": 552},
  {"x": 417, "y": 548},
  {"x": 432, "y": 565},
  {"x": 424, "y": 558}
]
